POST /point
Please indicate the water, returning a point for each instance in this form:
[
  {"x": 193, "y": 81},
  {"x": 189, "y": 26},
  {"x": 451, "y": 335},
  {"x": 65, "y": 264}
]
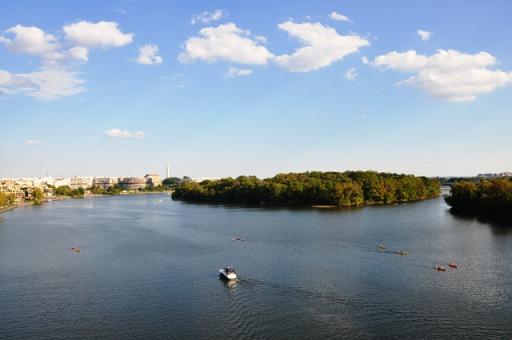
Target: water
[{"x": 148, "y": 269}]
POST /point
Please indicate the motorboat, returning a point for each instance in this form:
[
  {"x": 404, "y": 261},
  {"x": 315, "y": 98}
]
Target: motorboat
[
  {"x": 228, "y": 273},
  {"x": 402, "y": 252}
]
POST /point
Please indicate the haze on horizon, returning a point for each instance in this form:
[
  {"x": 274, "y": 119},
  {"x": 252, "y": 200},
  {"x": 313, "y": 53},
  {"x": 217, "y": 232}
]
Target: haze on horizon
[{"x": 224, "y": 88}]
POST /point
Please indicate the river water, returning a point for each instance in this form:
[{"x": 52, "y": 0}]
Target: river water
[{"x": 148, "y": 269}]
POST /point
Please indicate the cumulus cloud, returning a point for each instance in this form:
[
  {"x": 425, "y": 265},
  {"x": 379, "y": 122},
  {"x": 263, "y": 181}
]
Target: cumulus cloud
[
  {"x": 234, "y": 72},
  {"x": 207, "y": 17},
  {"x": 351, "y": 74},
  {"x": 79, "y": 53},
  {"x": 117, "y": 133},
  {"x": 33, "y": 141},
  {"x": 424, "y": 35},
  {"x": 100, "y": 34},
  {"x": 323, "y": 46},
  {"x": 46, "y": 84},
  {"x": 31, "y": 40},
  {"x": 148, "y": 55},
  {"x": 338, "y": 17},
  {"x": 56, "y": 77},
  {"x": 225, "y": 42},
  {"x": 448, "y": 74}
]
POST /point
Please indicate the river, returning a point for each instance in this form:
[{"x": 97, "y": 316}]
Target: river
[{"x": 148, "y": 269}]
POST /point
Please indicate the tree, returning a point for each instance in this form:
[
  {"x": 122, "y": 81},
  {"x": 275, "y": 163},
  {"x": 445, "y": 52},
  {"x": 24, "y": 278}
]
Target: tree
[
  {"x": 348, "y": 194},
  {"x": 37, "y": 196},
  {"x": 6, "y": 199},
  {"x": 488, "y": 199}
]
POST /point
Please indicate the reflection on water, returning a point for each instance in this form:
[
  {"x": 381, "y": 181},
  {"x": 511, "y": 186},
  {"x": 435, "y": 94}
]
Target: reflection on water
[{"x": 148, "y": 268}]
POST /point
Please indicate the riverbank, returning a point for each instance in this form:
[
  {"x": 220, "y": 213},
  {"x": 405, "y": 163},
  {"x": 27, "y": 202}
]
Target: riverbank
[
  {"x": 4, "y": 209},
  {"x": 63, "y": 198}
]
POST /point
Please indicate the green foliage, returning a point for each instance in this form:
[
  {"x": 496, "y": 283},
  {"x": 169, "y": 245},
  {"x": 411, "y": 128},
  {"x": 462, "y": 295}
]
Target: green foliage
[
  {"x": 66, "y": 191},
  {"x": 489, "y": 199},
  {"x": 158, "y": 188},
  {"x": 171, "y": 182},
  {"x": 38, "y": 196},
  {"x": 113, "y": 190},
  {"x": 6, "y": 199},
  {"x": 343, "y": 189}
]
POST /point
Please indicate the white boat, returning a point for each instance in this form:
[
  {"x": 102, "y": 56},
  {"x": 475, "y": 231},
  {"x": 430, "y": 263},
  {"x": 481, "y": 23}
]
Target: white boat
[{"x": 228, "y": 273}]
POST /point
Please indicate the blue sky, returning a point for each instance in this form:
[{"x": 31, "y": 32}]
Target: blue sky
[{"x": 224, "y": 88}]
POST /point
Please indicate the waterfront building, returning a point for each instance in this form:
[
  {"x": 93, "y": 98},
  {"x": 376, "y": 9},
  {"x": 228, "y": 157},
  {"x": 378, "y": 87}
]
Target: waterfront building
[
  {"x": 133, "y": 183},
  {"x": 105, "y": 182},
  {"x": 79, "y": 182},
  {"x": 62, "y": 182},
  {"x": 153, "y": 180}
]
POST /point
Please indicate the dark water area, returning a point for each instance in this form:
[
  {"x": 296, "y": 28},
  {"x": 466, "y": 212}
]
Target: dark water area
[{"x": 148, "y": 269}]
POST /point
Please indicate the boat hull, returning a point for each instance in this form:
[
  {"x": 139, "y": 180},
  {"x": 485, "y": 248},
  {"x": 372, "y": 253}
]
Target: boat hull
[{"x": 227, "y": 276}]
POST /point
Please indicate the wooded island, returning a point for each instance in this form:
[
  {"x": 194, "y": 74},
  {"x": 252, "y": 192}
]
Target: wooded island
[
  {"x": 341, "y": 189},
  {"x": 488, "y": 199}
]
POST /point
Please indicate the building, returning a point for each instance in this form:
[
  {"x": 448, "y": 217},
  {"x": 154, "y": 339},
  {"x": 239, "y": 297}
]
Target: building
[
  {"x": 79, "y": 182},
  {"x": 200, "y": 179},
  {"x": 62, "y": 182},
  {"x": 153, "y": 180},
  {"x": 133, "y": 183},
  {"x": 495, "y": 175},
  {"x": 105, "y": 182}
]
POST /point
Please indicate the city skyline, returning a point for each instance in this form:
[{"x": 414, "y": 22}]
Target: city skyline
[{"x": 227, "y": 89}]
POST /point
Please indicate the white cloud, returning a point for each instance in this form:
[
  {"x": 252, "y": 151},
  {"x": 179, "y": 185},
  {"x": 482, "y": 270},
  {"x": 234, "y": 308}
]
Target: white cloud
[
  {"x": 338, "y": 17},
  {"x": 351, "y": 74},
  {"x": 323, "y": 46},
  {"x": 207, "y": 17},
  {"x": 237, "y": 72},
  {"x": 117, "y": 133},
  {"x": 448, "y": 74},
  {"x": 53, "y": 80},
  {"x": 56, "y": 77},
  {"x": 148, "y": 55},
  {"x": 46, "y": 84},
  {"x": 100, "y": 34},
  {"x": 5, "y": 77},
  {"x": 261, "y": 39},
  {"x": 424, "y": 35},
  {"x": 33, "y": 141},
  {"x": 32, "y": 40},
  {"x": 79, "y": 53},
  {"x": 225, "y": 42}
]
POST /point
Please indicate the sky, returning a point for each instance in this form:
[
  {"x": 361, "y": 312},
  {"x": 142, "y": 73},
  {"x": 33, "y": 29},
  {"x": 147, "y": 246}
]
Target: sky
[{"x": 229, "y": 88}]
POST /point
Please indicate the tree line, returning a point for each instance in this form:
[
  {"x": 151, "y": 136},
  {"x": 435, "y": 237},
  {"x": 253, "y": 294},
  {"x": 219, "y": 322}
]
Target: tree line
[
  {"x": 342, "y": 189},
  {"x": 489, "y": 199},
  {"x": 6, "y": 199}
]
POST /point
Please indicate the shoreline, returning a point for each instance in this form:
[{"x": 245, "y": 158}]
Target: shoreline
[
  {"x": 5, "y": 209},
  {"x": 307, "y": 206},
  {"x": 64, "y": 198}
]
